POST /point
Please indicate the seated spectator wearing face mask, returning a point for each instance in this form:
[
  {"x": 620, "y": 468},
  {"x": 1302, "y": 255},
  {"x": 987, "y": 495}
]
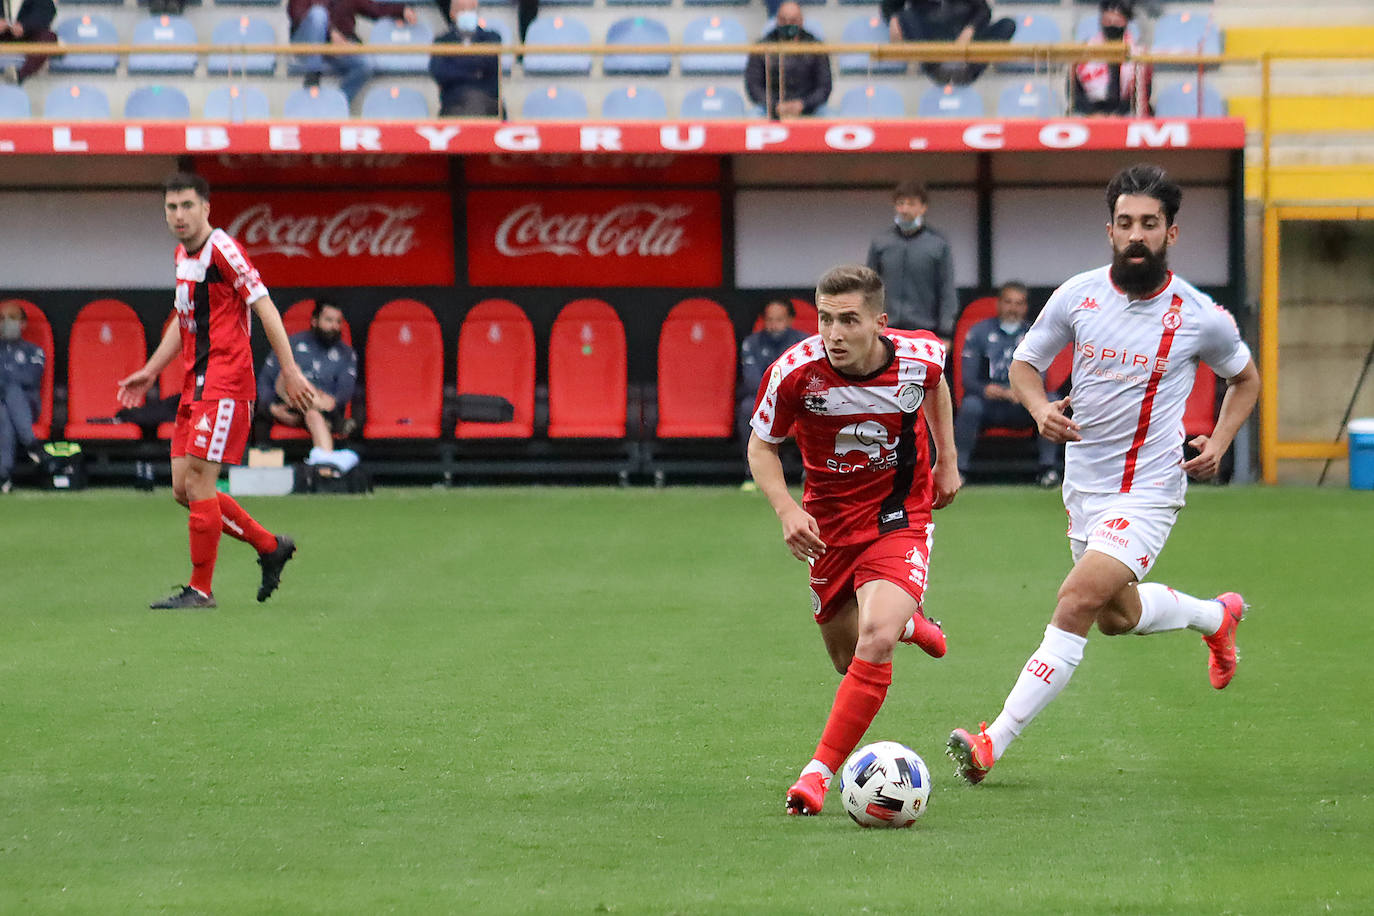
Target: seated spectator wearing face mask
[
  {"x": 759, "y": 351},
  {"x": 1111, "y": 89},
  {"x": 331, "y": 366},
  {"x": 21, "y": 375},
  {"x": 467, "y": 84},
  {"x": 788, "y": 85}
]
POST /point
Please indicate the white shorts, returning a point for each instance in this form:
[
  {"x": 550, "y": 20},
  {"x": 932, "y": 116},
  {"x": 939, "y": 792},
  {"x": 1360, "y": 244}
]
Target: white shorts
[{"x": 1130, "y": 527}]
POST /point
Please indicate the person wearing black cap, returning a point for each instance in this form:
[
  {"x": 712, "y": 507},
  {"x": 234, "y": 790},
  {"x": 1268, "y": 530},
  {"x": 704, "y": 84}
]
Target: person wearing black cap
[{"x": 1112, "y": 89}]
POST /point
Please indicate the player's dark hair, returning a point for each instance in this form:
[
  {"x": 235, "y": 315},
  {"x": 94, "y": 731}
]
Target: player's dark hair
[
  {"x": 911, "y": 188},
  {"x": 1015, "y": 286},
  {"x": 321, "y": 305},
  {"x": 1145, "y": 180},
  {"x": 187, "y": 181},
  {"x": 853, "y": 278},
  {"x": 785, "y": 303}
]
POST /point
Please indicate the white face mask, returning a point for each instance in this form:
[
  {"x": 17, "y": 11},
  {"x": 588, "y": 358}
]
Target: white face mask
[
  {"x": 909, "y": 225},
  {"x": 11, "y": 328},
  {"x": 1010, "y": 327},
  {"x": 467, "y": 21}
]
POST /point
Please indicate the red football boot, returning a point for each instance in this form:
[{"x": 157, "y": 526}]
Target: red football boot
[
  {"x": 807, "y": 794},
  {"x": 972, "y": 754},
  {"x": 1221, "y": 645},
  {"x": 927, "y": 634}
]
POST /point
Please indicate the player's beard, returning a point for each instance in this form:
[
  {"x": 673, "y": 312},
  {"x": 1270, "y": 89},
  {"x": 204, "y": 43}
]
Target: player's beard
[{"x": 1139, "y": 280}]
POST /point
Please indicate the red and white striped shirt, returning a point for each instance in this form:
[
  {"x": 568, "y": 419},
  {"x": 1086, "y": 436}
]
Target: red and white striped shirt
[
  {"x": 862, "y": 440},
  {"x": 1134, "y": 365},
  {"x": 214, "y": 289}
]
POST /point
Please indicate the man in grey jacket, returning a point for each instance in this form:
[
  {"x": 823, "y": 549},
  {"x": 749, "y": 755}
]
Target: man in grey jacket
[{"x": 916, "y": 266}]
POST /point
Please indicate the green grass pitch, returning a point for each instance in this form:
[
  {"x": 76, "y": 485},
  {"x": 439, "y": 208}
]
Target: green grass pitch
[{"x": 593, "y": 700}]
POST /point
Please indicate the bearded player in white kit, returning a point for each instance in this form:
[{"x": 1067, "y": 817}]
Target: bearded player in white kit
[{"x": 1138, "y": 333}]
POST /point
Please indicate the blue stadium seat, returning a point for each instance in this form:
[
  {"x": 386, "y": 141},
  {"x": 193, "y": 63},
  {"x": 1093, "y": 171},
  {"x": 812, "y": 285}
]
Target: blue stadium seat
[
  {"x": 163, "y": 30},
  {"x": 637, "y": 30},
  {"x": 950, "y": 102},
  {"x": 14, "y": 104},
  {"x": 316, "y": 103},
  {"x": 500, "y": 28},
  {"x": 87, "y": 29},
  {"x": 566, "y": 3},
  {"x": 709, "y": 102},
  {"x": 554, "y": 102},
  {"x": 76, "y": 102},
  {"x": 1087, "y": 26},
  {"x": 1029, "y": 99},
  {"x": 157, "y": 103},
  {"x": 276, "y": 3},
  {"x": 240, "y": 31},
  {"x": 557, "y": 29},
  {"x": 809, "y": 24},
  {"x": 634, "y": 102},
  {"x": 388, "y": 33},
  {"x": 714, "y": 30},
  {"x": 1181, "y": 101},
  {"x": 394, "y": 103},
  {"x": 868, "y": 29},
  {"x": 720, "y": 2},
  {"x": 1185, "y": 33},
  {"x": 236, "y": 104},
  {"x": 1031, "y": 30},
  {"x": 874, "y": 100}
]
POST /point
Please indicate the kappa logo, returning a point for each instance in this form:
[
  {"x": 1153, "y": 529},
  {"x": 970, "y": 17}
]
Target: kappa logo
[
  {"x": 1117, "y": 524},
  {"x": 1143, "y": 561},
  {"x": 1088, "y": 303},
  {"x": 203, "y": 425},
  {"x": 201, "y": 442}
]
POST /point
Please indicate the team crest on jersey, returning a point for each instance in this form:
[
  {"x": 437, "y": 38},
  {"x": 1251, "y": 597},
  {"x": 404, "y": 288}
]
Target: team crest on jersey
[
  {"x": 909, "y": 397},
  {"x": 1172, "y": 320},
  {"x": 774, "y": 380}
]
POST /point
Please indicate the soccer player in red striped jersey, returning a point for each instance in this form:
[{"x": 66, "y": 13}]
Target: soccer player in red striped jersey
[
  {"x": 217, "y": 292},
  {"x": 1138, "y": 332},
  {"x": 855, "y": 395}
]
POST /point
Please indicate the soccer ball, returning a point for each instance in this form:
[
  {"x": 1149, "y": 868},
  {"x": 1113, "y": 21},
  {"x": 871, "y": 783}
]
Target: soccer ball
[{"x": 884, "y": 784}]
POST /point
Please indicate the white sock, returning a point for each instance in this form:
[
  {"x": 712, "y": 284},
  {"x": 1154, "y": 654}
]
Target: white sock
[
  {"x": 1048, "y": 670},
  {"x": 1163, "y": 609},
  {"x": 815, "y": 766}
]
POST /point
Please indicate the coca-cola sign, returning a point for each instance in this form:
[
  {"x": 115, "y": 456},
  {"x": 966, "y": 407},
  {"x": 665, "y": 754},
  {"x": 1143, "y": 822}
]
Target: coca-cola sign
[
  {"x": 660, "y": 169},
  {"x": 594, "y": 238},
  {"x": 318, "y": 170},
  {"x": 342, "y": 239}
]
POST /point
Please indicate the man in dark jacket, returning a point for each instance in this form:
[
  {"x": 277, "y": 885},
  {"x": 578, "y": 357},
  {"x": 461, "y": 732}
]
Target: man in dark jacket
[
  {"x": 916, "y": 265},
  {"x": 33, "y": 23},
  {"x": 959, "y": 21},
  {"x": 335, "y": 22},
  {"x": 803, "y": 85},
  {"x": 21, "y": 378},
  {"x": 467, "y": 84}
]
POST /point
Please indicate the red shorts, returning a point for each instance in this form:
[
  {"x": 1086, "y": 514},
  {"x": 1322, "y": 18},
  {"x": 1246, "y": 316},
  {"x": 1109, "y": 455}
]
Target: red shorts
[
  {"x": 901, "y": 557},
  {"x": 213, "y": 430}
]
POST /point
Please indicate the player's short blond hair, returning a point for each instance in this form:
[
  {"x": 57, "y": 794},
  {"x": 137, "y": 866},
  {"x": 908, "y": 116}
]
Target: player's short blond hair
[{"x": 853, "y": 278}]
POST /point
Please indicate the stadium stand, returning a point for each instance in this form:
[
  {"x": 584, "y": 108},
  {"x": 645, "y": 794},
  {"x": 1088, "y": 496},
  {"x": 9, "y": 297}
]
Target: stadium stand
[
  {"x": 237, "y": 103},
  {"x": 404, "y": 374},
  {"x": 1185, "y": 32},
  {"x": 587, "y": 372},
  {"x": 242, "y": 31},
  {"x": 88, "y": 29},
  {"x": 637, "y": 30},
  {"x": 713, "y": 30},
  {"x": 496, "y": 357},
  {"x": 76, "y": 102},
  {"x": 1032, "y": 30},
  {"x": 558, "y": 29},
  {"x": 873, "y": 100},
  {"x": 157, "y": 103},
  {"x": 294, "y": 320},
  {"x": 1186, "y": 100},
  {"x": 950, "y": 102},
  {"x": 316, "y": 103},
  {"x": 38, "y": 331},
  {"x": 634, "y": 102},
  {"x": 106, "y": 344},
  {"x": 163, "y": 30},
  {"x": 1029, "y": 99},
  {"x": 696, "y": 372},
  {"x": 713, "y": 102},
  {"x": 388, "y": 33},
  {"x": 389, "y": 102},
  {"x": 867, "y": 30},
  {"x": 14, "y": 104},
  {"x": 554, "y": 102}
]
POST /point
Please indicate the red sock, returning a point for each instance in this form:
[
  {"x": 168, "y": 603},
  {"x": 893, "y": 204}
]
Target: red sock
[
  {"x": 857, "y": 701},
  {"x": 239, "y": 524},
  {"x": 204, "y": 526}
]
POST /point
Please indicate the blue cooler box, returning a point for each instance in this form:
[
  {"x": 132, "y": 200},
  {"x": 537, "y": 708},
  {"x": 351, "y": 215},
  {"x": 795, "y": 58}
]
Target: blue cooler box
[{"x": 1362, "y": 454}]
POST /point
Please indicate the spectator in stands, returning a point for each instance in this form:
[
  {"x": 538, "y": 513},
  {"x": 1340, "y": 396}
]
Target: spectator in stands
[
  {"x": 916, "y": 265},
  {"x": 759, "y": 351},
  {"x": 332, "y": 367},
  {"x": 33, "y": 23},
  {"x": 21, "y": 376},
  {"x": 988, "y": 398},
  {"x": 467, "y": 84},
  {"x": 959, "y": 21},
  {"x": 1112, "y": 89},
  {"x": 788, "y": 85},
  {"x": 335, "y": 22}
]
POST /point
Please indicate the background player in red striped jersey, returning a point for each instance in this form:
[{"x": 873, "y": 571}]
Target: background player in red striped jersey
[
  {"x": 1138, "y": 333},
  {"x": 217, "y": 291},
  {"x": 854, "y": 394}
]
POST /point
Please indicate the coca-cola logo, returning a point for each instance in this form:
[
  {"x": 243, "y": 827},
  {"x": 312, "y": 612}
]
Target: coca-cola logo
[
  {"x": 371, "y": 230},
  {"x": 640, "y": 229}
]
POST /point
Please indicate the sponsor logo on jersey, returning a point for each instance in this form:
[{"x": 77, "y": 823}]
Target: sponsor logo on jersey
[
  {"x": 814, "y": 402},
  {"x": 869, "y": 437},
  {"x": 909, "y": 397},
  {"x": 1093, "y": 350}
]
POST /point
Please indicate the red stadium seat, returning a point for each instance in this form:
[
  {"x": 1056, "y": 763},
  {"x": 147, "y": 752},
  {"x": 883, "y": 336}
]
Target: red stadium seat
[
  {"x": 696, "y": 372},
  {"x": 170, "y": 382},
  {"x": 1200, "y": 414},
  {"x": 297, "y": 319},
  {"x": 405, "y": 372},
  {"x": 807, "y": 320},
  {"x": 587, "y": 367},
  {"x": 974, "y": 312},
  {"x": 496, "y": 356},
  {"x": 39, "y": 331},
  {"x": 107, "y": 343}
]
